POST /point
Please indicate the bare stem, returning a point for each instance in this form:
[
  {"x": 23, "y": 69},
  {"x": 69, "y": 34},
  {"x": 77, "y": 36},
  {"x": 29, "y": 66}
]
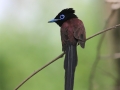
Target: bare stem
[
  {"x": 61, "y": 55},
  {"x": 114, "y": 27}
]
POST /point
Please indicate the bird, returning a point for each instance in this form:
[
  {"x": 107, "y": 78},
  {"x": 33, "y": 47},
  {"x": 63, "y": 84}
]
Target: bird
[{"x": 72, "y": 34}]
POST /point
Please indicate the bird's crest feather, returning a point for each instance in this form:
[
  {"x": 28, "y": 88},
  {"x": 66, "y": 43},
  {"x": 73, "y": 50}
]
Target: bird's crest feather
[{"x": 67, "y": 11}]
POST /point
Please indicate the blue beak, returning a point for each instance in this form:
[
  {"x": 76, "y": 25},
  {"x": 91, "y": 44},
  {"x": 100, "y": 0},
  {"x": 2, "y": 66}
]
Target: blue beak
[{"x": 54, "y": 20}]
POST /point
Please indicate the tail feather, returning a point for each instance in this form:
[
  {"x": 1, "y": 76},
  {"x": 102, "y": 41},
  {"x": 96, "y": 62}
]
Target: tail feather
[{"x": 70, "y": 63}]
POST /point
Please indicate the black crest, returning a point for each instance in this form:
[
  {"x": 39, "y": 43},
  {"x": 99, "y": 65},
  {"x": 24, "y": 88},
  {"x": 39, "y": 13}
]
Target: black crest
[{"x": 67, "y": 11}]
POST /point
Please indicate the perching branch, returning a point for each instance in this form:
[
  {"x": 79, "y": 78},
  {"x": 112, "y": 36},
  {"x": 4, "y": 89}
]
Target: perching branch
[
  {"x": 61, "y": 55},
  {"x": 114, "y": 27}
]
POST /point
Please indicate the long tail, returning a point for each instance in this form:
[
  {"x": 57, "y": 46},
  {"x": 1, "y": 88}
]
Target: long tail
[{"x": 70, "y": 63}]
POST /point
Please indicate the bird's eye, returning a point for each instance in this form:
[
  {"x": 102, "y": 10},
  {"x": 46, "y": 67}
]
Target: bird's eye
[{"x": 62, "y": 16}]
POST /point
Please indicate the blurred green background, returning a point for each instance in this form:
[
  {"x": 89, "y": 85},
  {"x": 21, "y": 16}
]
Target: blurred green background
[{"x": 27, "y": 42}]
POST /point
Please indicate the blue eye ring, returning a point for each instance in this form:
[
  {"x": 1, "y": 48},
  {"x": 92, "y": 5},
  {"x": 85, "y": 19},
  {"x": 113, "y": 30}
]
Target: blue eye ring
[{"x": 62, "y": 16}]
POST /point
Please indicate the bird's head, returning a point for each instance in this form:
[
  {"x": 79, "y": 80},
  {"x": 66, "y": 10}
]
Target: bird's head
[{"x": 63, "y": 16}]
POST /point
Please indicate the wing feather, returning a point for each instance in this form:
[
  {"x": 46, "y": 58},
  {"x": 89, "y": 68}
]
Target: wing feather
[{"x": 80, "y": 34}]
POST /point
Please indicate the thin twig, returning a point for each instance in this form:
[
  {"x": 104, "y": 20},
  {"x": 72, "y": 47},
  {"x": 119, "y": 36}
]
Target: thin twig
[
  {"x": 114, "y": 27},
  {"x": 61, "y": 55}
]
